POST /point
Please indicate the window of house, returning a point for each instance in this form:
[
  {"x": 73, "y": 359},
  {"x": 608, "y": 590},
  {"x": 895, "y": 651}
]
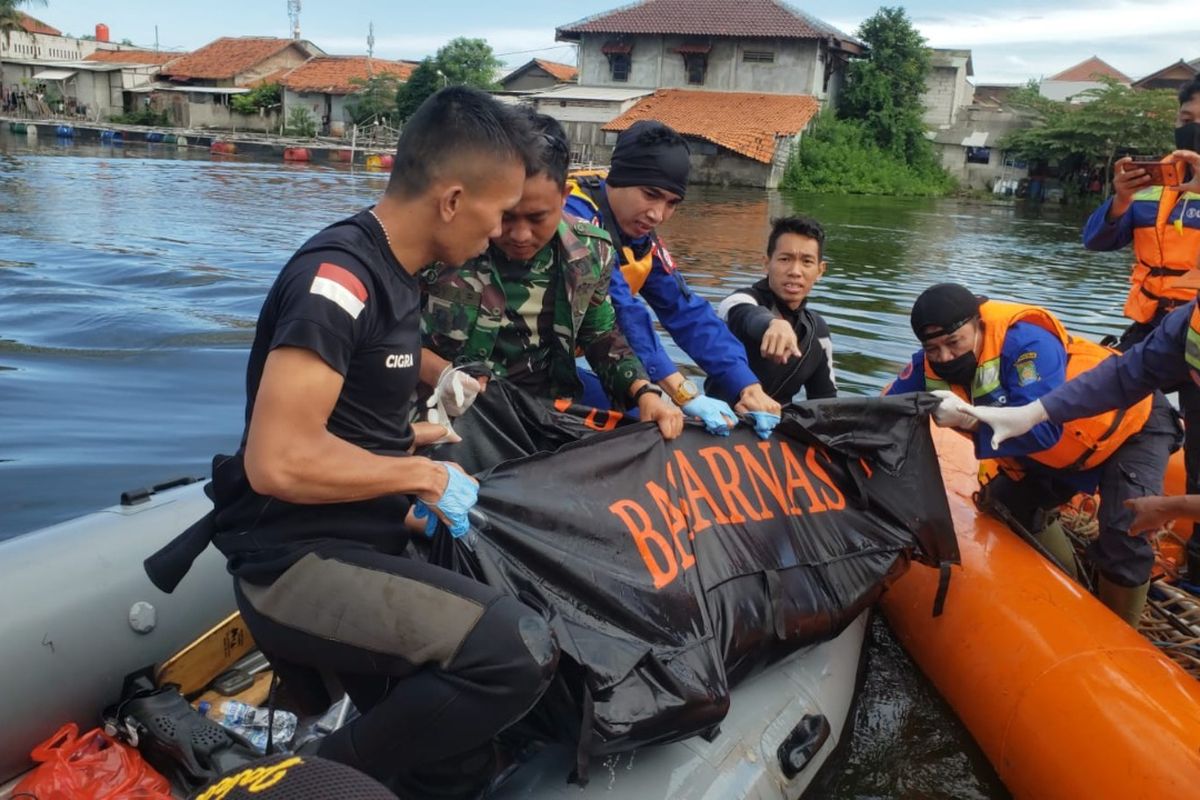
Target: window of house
[
  {"x": 619, "y": 64},
  {"x": 758, "y": 57},
  {"x": 979, "y": 155},
  {"x": 695, "y": 65}
]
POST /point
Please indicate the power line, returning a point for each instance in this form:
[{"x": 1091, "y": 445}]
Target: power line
[{"x": 534, "y": 50}]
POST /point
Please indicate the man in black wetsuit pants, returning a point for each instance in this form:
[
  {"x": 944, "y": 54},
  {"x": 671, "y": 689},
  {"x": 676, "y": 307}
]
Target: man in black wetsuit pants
[{"x": 311, "y": 510}]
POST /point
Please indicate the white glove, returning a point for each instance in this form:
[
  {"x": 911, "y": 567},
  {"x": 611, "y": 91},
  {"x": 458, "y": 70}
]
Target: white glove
[
  {"x": 952, "y": 412},
  {"x": 455, "y": 392},
  {"x": 1009, "y": 422}
]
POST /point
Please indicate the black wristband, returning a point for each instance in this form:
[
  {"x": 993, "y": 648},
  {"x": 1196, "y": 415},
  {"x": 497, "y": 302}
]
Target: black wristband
[{"x": 648, "y": 388}]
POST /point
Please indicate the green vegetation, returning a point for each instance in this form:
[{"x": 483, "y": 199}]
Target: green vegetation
[
  {"x": 376, "y": 100},
  {"x": 300, "y": 123},
  {"x": 259, "y": 98},
  {"x": 875, "y": 143},
  {"x": 460, "y": 62},
  {"x": 1114, "y": 120},
  {"x": 146, "y": 116}
]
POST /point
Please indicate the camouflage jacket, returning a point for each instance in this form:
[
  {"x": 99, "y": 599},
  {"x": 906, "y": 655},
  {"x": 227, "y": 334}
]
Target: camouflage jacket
[{"x": 463, "y": 310}]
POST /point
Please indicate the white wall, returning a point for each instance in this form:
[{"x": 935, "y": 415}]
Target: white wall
[{"x": 798, "y": 67}]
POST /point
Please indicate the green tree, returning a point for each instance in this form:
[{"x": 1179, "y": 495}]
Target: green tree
[
  {"x": 266, "y": 96},
  {"x": 460, "y": 62},
  {"x": 1112, "y": 120},
  {"x": 468, "y": 62},
  {"x": 11, "y": 18},
  {"x": 376, "y": 99},
  {"x": 884, "y": 91},
  {"x": 300, "y": 123}
]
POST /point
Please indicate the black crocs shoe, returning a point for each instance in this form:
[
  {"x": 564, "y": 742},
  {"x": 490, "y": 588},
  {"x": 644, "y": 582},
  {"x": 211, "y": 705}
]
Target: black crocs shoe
[{"x": 176, "y": 739}]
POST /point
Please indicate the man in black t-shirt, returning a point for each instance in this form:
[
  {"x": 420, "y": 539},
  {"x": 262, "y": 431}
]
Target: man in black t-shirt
[
  {"x": 310, "y": 512},
  {"x": 788, "y": 343}
]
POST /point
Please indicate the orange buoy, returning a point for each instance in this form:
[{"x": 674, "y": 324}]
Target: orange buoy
[
  {"x": 344, "y": 156},
  {"x": 379, "y": 161},
  {"x": 223, "y": 147},
  {"x": 295, "y": 154},
  {"x": 1066, "y": 700}
]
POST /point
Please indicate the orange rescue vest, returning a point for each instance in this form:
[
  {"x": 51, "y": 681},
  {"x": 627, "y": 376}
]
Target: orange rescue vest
[
  {"x": 585, "y": 184},
  {"x": 1163, "y": 252},
  {"x": 1085, "y": 443}
]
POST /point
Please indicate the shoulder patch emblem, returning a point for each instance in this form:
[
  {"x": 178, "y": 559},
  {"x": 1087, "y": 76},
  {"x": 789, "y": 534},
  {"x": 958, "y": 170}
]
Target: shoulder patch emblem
[
  {"x": 341, "y": 286},
  {"x": 664, "y": 257},
  {"x": 1027, "y": 373},
  {"x": 907, "y": 372},
  {"x": 1026, "y": 356}
]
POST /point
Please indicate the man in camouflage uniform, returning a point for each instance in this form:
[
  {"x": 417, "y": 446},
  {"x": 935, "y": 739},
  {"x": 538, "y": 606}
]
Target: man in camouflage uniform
[{"x": 538, "y": 294}]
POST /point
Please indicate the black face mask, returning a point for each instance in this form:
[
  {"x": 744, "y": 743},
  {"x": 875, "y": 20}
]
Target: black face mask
[
  {"x": 1187, "y": 137},
  {"x": 958, "y": 371}
]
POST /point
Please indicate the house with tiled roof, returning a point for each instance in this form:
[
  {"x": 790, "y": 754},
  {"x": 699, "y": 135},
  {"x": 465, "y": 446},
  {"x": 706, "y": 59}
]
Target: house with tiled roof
[
  {"x": 238, "y": 61},
  {"x": 736, "y": 138},
  {"x": 717, "y": 45},
  {"x": 195, "y": 89},
  {"x": 683, "y": 55},
  {"x": 1071, "y": 84},
  {"x": 538, "y": 73},
  {"x": 324, "y": 84},
  {"x": 1171, "y": 76},
  {"x": 132, "y": 55}
]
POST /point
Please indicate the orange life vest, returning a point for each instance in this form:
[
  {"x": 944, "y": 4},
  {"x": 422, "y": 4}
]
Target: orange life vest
[
  {"x": 1085, "y": 443},
  {"x": 1162, "y": 252},
  {"x": 635, "y": 269}
]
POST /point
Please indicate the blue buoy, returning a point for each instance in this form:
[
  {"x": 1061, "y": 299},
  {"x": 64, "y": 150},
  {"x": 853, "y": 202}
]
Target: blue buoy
[
  {"x": 66, "y": 131},
  {"x": 154, "y": 136}
]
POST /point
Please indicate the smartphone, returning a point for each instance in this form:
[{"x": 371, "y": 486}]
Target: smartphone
[{"x": 1162, "y": 173}]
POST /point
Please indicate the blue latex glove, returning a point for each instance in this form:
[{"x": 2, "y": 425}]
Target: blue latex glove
[
  {"x": 716, "y": 414},
  {"x": 764, "y": 423},
  {"x": 459, "y": 497}
]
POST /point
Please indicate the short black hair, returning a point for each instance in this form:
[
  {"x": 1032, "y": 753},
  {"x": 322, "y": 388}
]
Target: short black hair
[
  {"x": 551, "y": 150},
  {"x": 1189, "y": 90},
  {"x": 450, "y": 124},
  {"x": 799, "y": 225}
]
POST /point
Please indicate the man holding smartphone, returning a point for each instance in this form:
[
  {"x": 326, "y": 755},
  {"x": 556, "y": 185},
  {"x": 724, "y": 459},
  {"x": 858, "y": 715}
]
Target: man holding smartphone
[{"x": 1163, "y": 224}]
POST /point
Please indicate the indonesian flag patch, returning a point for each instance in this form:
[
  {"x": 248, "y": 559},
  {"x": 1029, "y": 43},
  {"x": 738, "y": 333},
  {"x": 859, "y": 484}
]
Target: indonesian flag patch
[{"x": 341, "y": 286}]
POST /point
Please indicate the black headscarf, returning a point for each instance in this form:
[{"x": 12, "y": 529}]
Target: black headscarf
[{"x": 648, "y": 153}]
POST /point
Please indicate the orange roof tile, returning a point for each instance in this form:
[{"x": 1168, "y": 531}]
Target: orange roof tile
[
  {"x": 33, "y": 25},
  {"x": 335, "y": 74},
  {"x": 751, "y": 18},
  {"x": 1087, "y": 71},
  {"x": 226, "y": 57},
  {"x": 745, "y": 122},
  {"x": 129, "y": 56},
  {"x": 560, "y": 72}
]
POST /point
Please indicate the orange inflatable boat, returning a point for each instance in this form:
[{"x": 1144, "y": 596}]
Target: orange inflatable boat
[{"x": 1064, "y": 698}]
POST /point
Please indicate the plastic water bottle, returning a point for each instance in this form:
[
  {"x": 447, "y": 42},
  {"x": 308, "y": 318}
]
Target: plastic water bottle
[{"x": 251, "y": 722}]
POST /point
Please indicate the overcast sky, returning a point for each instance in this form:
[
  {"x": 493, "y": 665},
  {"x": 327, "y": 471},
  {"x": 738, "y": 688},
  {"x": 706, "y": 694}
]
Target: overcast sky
[{"x": 1011, "y": 42}]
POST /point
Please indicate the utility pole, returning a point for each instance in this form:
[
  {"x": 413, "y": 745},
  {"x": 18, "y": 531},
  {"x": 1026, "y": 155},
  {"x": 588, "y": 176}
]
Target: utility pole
[
  {"x": 293, "y": 7},
  {"x": 370, "y": 44}
]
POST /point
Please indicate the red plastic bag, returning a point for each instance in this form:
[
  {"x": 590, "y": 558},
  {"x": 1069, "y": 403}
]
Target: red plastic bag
[{"x": 93, "y": 766}]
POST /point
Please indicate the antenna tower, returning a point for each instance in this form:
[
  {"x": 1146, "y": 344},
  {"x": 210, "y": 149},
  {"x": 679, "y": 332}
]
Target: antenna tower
[{"x": 293, "y": 7}]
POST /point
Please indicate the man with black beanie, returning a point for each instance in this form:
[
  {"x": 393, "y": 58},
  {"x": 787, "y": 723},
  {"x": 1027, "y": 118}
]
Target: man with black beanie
[
  {"x": 646, "y": 182},
  {"x": 977, "y": 352}
]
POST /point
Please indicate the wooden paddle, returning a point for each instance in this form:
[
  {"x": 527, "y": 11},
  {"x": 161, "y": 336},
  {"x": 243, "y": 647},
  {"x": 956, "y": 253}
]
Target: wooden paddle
[{"x": 195, "y": 666}]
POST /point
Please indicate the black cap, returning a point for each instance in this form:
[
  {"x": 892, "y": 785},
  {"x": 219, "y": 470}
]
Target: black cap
[
  {"x": 648, "y": 153},
  {"x": 942, "y": 309}
]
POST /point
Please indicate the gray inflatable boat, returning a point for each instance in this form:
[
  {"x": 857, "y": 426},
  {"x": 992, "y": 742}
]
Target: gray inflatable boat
[{"x": 83, "y": 616}]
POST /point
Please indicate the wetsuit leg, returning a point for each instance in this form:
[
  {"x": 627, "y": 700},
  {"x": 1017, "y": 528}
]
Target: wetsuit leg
[
  {"x": 438, "y": 663},
  {"x": 1134, "y": 470},
  {"x": 1189, "y": 406}
]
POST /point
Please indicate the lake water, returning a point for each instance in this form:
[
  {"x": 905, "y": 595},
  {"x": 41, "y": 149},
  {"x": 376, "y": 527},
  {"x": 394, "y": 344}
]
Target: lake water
[{"x": 131, "y": 280}]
